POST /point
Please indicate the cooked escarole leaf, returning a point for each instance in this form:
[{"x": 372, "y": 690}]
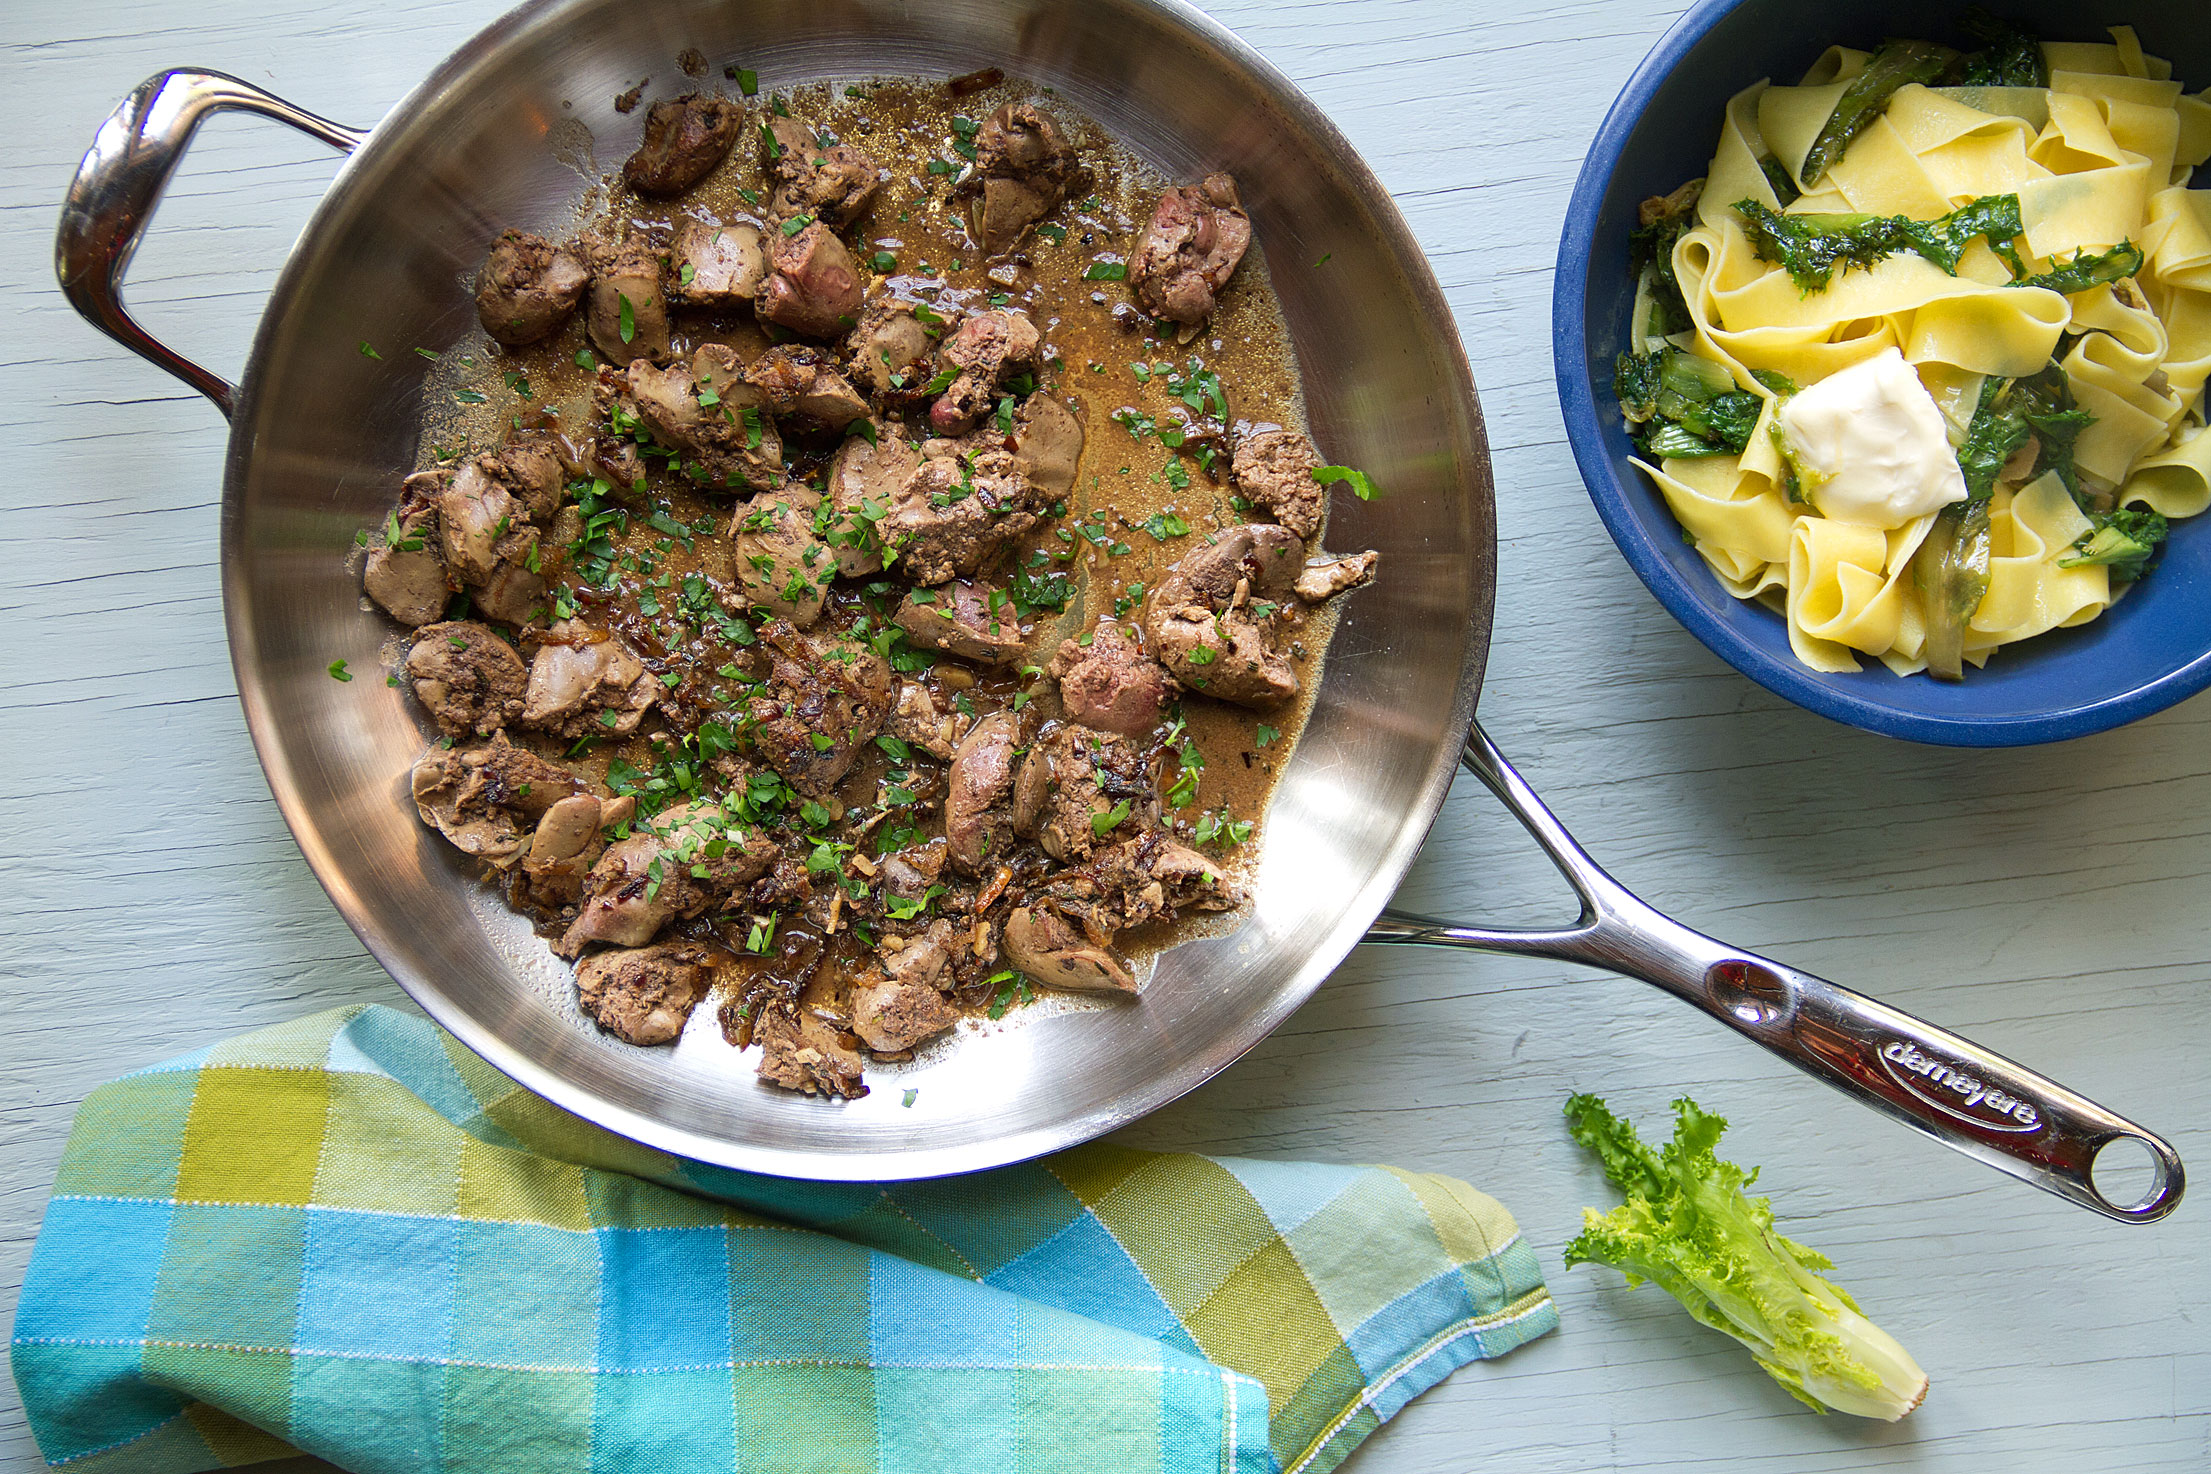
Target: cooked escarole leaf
[
  {"x": 1992, "y": 437},
  {"x": 1896, "y": 64},
  {"x": 1635, "y": 384},
  {"x": 2009, "y": 56},
  {"x": 1811, "y": 247},
  {"x": 1683, "y": 406},
  {"x": 2009, "y": 411},
  {"x": 1951, "y": 572},
  {"x": 2123, "y": 540},
  {"x": 1778, "y": 180},
  {"x": 1951, "y": 567},
  {"x": 1661, "y": 221},
  {"x": 1993, "y": 217},
  {"x": 2046, "y": 400},
  {"x": 1688, "y": 1227},
  {"x": 2088, "y": 269}
]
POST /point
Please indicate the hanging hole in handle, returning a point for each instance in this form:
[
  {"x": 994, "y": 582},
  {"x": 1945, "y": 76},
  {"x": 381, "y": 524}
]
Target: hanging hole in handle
[{"x": 2127, "y": 1173}]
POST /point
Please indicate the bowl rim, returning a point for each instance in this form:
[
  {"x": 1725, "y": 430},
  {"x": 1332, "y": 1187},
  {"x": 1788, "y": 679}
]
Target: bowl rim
[{"x": 1603, "y": 479}]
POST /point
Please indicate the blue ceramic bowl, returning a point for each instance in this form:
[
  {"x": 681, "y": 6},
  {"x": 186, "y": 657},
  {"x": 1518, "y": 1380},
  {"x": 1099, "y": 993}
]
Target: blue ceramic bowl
[{"x": 2152, "y": 650}]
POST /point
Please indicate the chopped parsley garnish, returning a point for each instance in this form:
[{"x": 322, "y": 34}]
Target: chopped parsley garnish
[
  {"x": 629, "y": 317},
  {"x": 1137, "y": 424},
  {"x": 338, "y": 672},
  {"x": 1106, "y": 271},
  {"x": 1364, "y": 489},
  {"x": 1034, "y": 591},
  {"x": 368, "y": 351},
  {"x": 1218, "y": 828},
  {"x": 1200, "y": 389},
  {"x": 1012, "y": 989},
  {"x": 1184, "y": 789},
  {"x": 906, "y": 908}
]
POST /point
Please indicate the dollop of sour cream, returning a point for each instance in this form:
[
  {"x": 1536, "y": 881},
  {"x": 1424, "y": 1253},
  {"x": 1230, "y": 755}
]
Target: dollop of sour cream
[{"x": 1870, "y": 445}]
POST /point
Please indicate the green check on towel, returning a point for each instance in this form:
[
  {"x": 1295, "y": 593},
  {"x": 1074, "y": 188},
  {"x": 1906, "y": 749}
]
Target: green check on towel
[{"x": 349, "y": 1236}]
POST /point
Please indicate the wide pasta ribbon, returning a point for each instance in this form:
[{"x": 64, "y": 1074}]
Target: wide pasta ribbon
[
  {"x": 2097, "y": 158},
  {"x": 1846, "y": 588},
  {"x": 2027, "y": 592}
]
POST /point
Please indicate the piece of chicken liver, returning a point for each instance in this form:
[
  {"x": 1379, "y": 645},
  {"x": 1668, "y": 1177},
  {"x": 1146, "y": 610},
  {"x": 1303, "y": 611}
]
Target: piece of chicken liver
[
  {"x": 971, "y": 620},
  {"x": 528, "y": 287},
  {"x": 685, "y": 138},
  {"x": 1023, "y": 166},
  {"x": 466, "y": 676},
  {"x": 1197, "y": 235},
  {"x": 813, "y": 286},
  {"x": 643, "y": 995},
  {"x": 1274, "y": 467},
  {"x": 1111, "y": 683},
  {"x": 832, "y": 182},
  {"x": 716, "y": 266},
  {"x": 627, "y": 275},
  {"x": 587, "y": 682},
  {"x": 822, "y": 687}
]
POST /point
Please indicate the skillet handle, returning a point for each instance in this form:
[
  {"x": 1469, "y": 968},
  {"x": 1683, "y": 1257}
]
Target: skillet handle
[
  {"x": 120, "y": 182},
  {"x": 1949, "y": 1088}
]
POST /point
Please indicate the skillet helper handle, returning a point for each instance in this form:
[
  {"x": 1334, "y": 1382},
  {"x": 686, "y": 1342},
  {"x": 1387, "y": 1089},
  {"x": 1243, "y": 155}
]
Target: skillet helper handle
[
  {"x": 120, "y": 182},
  {"x": 1949, "y": 1088}
]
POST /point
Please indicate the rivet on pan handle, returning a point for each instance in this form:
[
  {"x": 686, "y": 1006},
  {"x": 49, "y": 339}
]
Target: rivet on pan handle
[
  {"x": 120, "y": 182},
  {"x": 1962, "y": 1095}
]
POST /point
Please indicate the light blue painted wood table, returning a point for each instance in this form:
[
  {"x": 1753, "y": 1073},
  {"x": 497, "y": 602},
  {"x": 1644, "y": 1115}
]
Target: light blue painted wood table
[{"x": 2049, "y": 903}]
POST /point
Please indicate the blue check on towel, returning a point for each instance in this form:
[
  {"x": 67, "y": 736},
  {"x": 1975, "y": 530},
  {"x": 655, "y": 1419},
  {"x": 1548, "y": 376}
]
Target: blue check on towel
[{"x": 348, "y": 1236}]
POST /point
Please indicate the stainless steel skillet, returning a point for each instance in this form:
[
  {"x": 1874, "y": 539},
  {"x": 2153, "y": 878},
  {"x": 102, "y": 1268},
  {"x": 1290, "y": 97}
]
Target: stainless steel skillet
[{"x": 505, "y": 133}]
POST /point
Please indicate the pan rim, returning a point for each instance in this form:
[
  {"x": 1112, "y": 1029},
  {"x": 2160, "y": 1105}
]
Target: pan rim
[{"x": 1357, "y": 914}]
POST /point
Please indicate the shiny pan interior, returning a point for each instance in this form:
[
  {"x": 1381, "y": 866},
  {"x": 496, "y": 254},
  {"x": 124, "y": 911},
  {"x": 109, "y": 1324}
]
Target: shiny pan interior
[{"x": 323, "y": 433}]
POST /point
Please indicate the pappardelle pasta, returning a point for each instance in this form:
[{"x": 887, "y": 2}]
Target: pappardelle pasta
[{"x": 1920, "y": 362}]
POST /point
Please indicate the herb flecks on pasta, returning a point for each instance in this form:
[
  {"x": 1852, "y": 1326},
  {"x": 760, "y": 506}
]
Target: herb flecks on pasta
[{"x": 2012, "y": 221}]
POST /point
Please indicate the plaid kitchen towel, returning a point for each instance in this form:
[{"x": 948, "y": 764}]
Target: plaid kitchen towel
[{"x": 349, "y": 1236}]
